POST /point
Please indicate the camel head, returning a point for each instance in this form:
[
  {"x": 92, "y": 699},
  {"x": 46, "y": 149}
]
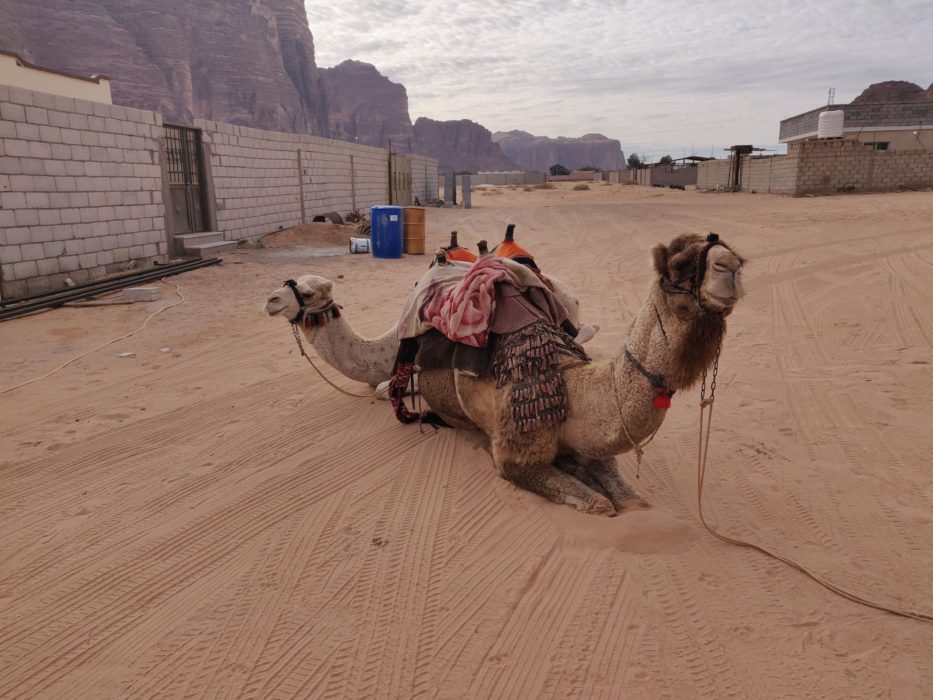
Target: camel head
[
  {"x": 700, "y": 275},
  {"x": 315, "y": 294}
]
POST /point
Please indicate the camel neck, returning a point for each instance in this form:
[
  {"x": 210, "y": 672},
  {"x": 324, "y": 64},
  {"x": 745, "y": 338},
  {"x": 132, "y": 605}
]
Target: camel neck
[{"x": 362, "y": 359}]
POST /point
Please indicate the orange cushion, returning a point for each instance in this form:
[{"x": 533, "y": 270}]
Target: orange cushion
[{"x": 511, "y": 249}]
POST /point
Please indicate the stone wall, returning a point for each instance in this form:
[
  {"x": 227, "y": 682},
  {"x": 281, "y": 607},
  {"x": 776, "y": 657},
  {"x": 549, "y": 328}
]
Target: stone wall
[{"x": 80, "y": 190}]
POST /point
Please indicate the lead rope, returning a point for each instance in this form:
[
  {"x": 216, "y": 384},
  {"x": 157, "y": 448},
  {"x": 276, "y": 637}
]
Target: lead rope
[
  {"x": 301, "y": 348},
  {"x": 702, "y": 451}
]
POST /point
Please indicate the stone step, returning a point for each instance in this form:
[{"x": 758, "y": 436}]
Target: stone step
[
  {"x": 207, "y": 250},
  {"x": 189, "y": 239}
]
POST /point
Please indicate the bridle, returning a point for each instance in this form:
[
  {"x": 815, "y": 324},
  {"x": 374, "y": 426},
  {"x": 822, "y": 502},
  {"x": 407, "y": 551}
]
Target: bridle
[
  {"x": 699, "y": 273},
  {"x": 309, "y": 316},
  {"x": 662, "y": 400}
]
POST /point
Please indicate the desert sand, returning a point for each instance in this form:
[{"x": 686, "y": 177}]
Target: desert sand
[{"x": 216, "y": 521}]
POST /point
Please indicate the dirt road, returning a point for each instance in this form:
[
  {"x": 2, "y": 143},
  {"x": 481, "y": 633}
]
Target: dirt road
[{"x": 216, "y": 521}]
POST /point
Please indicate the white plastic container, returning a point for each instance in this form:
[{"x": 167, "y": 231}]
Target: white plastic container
[
  {"x": 830, "y": 124},
  {"x": 359, "y": 245}
]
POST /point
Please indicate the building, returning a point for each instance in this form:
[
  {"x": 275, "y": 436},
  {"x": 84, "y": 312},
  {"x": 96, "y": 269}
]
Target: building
[
  {"x": 886, "y": 126},
  {"x": 17, "y": 72},
  {"x": 89, "y": 188},
  {"x": 883, "y": 147}
]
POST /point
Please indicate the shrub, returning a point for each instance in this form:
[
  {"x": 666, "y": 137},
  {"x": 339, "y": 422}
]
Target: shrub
[{"x": 581, "y": 186}]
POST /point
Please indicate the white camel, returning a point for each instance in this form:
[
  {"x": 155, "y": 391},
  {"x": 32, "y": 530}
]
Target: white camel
[{"x": 367, "y": 360}]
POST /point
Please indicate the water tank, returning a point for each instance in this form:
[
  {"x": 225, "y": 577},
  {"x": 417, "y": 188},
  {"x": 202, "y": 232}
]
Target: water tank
[
  {"x": 387, "y": 231},
  {"x": 829, "y": 125}
]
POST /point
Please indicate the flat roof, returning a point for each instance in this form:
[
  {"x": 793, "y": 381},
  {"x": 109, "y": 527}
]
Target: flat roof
[{"x": 96, "y": 78}]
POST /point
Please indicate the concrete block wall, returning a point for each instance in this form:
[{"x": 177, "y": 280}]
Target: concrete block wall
[
  {"x": 713, "y": 174},
  {"x": 775, "y": 174},
  {"x": 834, "y": 165},
  {"x": 80, "y": 190},
  {"x": 254, "y": 178},
  {"x": 343, "y": 176},
  {"x": 258, "y": 187},
  {"x": 423, "y": 178}
]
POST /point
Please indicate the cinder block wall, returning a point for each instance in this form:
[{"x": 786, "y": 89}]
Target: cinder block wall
[
  {"x": 834, "y": 165},
  {"x": 713, "y": 174},
  {"x": 424, "y": 178},
  {"x": 258, "y": 187},
  {"x": 80, "y": 190},
  {"x": 776, "y": 174}
]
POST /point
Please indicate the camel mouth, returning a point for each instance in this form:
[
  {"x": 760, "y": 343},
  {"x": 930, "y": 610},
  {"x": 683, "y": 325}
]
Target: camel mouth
[
  {"x": 272, "y": 310},
  {"x": 723, "y": 302}
]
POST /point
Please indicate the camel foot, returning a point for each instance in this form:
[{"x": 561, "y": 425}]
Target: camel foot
[
  {"x": 570, "y": 466},
  {"x": 623, "y": 496}
]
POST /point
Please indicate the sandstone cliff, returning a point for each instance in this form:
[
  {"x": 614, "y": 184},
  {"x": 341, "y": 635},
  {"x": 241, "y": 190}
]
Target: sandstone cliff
[
  {"x": 241, "y": 61},
  {"x": 360, "y": 104},
  {"x": 459, "y": 145},
  {"x": 895, "y": 91},
  {"x": 539, "y": 153}
]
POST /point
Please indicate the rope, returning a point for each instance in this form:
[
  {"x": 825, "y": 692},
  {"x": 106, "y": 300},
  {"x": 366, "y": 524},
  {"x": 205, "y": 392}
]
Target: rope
[
  {"x": 304, "y": 354},
  {"x": 109, "y": 342},
  {"x": 702, "y": 452}
]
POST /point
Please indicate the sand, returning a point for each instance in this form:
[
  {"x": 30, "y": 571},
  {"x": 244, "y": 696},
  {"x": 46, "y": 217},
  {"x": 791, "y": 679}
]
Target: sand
[{"x": 216, "y": 521}]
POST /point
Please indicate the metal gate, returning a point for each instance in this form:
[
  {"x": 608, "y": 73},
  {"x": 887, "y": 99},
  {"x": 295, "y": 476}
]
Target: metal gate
[
  {"x": 185, "y": 178},
  {"x": 399, "y": 180}
]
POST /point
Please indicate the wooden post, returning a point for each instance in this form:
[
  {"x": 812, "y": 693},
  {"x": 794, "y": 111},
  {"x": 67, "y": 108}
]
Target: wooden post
[
  {"x": 353, "y": 183},
  {"x": 301, "y": 186}
]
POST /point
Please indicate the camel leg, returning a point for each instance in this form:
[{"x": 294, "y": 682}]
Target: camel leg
[
  {"x": 548, "y": 481},
  {"x": 606, "y": 474},
  {"x": 569, "y": 465}
]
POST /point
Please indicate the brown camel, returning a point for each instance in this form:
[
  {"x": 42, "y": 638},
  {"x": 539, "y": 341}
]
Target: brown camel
[{"x": 614, "y": 404}]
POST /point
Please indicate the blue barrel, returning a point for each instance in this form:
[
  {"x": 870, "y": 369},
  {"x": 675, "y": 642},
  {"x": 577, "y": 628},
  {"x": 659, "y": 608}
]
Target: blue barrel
[{"x": 387, "y": 232}]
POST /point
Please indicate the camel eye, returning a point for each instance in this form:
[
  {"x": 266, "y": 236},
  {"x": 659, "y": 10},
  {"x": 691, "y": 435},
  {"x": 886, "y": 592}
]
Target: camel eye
[
  {"x": 719, "y": 266},
  {"x": 306, "y": 295}
]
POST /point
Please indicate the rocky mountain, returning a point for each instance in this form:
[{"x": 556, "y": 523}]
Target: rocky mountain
[
  {"x": 895, "y": 91},
  {"x": 539, "y": 153},
  {"x": 246, "y": 62},
  {"x": 360, "y": 104},
  {"x": 460, "y": 145}
]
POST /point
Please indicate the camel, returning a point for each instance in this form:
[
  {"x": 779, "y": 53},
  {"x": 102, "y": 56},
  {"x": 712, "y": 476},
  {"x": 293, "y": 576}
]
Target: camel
[
  {"x": 615, "y": 404},
  {"x": 367, "y": 360}
]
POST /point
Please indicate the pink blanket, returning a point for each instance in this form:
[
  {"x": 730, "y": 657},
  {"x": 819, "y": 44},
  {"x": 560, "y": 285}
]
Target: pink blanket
[{"x": 464, "y": 313}]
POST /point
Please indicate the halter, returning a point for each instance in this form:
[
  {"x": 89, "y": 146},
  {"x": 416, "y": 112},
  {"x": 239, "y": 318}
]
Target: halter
[
  {"x": 311, "y": 317},
  {"x": 699, "y": 273}
]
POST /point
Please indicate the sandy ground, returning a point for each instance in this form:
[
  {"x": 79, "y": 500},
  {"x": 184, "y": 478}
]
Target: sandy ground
[{"x": 216, "y": 521}]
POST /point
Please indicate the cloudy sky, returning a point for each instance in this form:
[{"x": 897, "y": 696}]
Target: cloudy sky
[{"x": 662, "y": 77}]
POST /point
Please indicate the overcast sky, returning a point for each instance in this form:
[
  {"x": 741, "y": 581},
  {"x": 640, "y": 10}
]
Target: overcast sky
[{"x": 659, "y": 76}]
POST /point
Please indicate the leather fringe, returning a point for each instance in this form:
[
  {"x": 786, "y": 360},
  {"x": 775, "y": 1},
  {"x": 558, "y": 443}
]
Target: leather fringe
[{"x": 530, "y": 361}]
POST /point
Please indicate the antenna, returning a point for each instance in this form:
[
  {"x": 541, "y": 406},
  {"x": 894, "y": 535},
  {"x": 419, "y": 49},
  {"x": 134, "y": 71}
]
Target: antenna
[{"x": 832, "y": 96}]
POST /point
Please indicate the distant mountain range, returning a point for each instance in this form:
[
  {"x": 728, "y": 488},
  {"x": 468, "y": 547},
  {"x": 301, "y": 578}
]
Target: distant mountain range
[{"x": 251, "y": 62}]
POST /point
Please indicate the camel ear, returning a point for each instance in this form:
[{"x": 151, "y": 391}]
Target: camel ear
[
  {"x": 326, "y": 288},
  {"x": 660, "y": 254}
]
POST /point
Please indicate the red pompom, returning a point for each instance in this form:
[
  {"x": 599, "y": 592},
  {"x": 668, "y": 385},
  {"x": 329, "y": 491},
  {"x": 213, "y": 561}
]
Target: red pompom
[{"x": 662, "y": 401}]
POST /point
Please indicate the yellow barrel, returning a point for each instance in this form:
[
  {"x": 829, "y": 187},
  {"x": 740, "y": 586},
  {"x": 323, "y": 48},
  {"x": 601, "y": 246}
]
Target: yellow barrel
[{"x": 413, "y": 230}]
